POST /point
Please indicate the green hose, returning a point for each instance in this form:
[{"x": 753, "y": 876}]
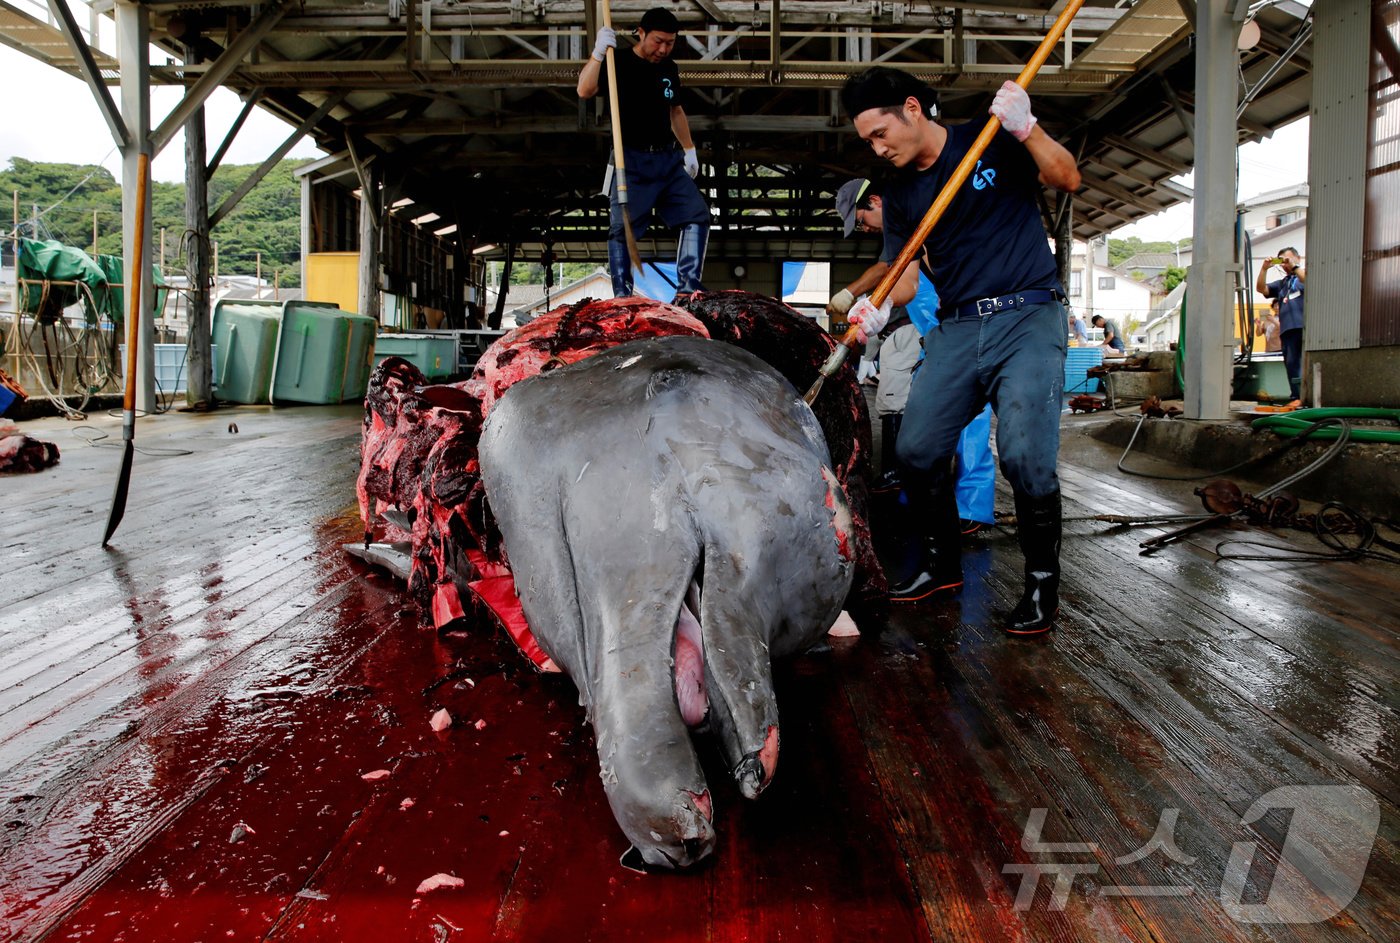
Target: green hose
[{"x": 1290, "y": 424}]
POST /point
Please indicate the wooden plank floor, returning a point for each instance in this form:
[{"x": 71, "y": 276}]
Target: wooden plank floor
[{"x": 185, "y": 719}]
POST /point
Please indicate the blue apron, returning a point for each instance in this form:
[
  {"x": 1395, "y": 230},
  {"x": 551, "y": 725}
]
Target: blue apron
[{"x": 977, "y": 472}]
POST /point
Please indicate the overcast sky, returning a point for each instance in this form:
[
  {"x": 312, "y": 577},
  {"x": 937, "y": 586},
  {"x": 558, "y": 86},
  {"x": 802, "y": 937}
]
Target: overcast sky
[{"x": 58, "y": 121}]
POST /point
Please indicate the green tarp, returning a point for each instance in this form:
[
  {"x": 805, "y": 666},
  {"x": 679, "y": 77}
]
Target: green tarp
[{"x": 51, "y": 261}]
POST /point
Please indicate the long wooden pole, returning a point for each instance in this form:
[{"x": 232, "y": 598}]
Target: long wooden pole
[
  {"x": 133, "y": 337},
  {"x": 15, "y": 327},
  {"x": 945, "y": 197},
  {"x": 619, "y": 165}
]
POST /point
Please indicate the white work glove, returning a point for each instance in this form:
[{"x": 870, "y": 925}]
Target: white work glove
[
  {"x": 868, "y": 318},
  {"x": 840, "y": 302},
  {"x": 692, "y": 162},
  {"x": 1012, "y": 106},
  {"x": 607, "y": 39}
]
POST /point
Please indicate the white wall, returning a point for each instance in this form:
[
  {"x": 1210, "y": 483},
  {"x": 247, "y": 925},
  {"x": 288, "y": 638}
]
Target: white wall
[
  {"x": 1126, "y": 302},
  {"x": 1267, "y": 245}
]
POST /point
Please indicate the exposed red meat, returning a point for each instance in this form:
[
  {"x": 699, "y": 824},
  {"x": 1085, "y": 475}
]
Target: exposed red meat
[{"x": 22, "y": 453}]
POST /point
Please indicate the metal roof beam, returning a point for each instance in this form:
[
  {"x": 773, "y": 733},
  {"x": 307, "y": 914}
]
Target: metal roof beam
[
  {"x": 233, "y": 130},
  {"x": 217, "y": 72},
  {"x": 273, "y": 159},
  {"x": 87, "y": 67},
  {"x": 1123, "y": 195},
  {"x": 1146, "y": 154},
  {"x": 434, "y": 127}
]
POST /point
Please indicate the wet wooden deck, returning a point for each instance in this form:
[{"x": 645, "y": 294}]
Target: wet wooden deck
[{"x": 185, "y": 719}]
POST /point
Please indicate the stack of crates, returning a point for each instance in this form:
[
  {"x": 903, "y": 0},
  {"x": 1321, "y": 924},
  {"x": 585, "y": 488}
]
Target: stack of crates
[
  {"x": 1078, "y": 360},
  {"x": 292, "y": 352}
]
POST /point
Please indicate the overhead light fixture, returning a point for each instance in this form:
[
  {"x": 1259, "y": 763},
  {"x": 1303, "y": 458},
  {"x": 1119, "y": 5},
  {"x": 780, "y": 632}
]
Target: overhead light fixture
[
  {"x": 406, "y": 201},
  {"x": 446, "y": 230},
  {"x": 482, "y": 250},
  {"x": 426, "y": 218},
  {"x": 1249, "y": 36}
]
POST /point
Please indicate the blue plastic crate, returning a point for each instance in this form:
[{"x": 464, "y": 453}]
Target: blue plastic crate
[{"x": 1078, "y": 360}]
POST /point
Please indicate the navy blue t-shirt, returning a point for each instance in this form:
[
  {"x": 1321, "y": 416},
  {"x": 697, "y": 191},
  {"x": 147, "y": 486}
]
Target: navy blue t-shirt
[
  {"x": 990, "y": 240},
  {"x": 1289, "y": 292},
  {"x": 646, "y": 92}
]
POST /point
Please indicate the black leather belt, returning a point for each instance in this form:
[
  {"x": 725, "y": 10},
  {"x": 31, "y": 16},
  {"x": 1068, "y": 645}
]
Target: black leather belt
[
  {"x": 652, "y": 148},
  {"x": 982, "y": 307}
]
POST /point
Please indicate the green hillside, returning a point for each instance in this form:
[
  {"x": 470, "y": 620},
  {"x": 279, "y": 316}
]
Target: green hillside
[{"x": 65, "y": 196}]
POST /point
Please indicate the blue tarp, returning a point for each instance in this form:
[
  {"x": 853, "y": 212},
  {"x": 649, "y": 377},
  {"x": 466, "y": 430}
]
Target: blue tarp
[
  {"x": 655, "y": 280},
  {"x": 792, "y": 275}
]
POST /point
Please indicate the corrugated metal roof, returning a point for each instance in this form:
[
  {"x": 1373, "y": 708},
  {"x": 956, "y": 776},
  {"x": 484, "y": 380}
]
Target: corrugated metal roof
[{"x": 470, "y": 108}]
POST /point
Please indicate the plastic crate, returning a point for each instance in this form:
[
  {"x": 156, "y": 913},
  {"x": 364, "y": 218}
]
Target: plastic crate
[
  {"x": 323, "y": 354},
  {"x": 436, "y": 356},
  {"x": 1078, "y": 360},
  {"x": 170, "y": 366},
  {"x": 247, "y": 331},
  {"x": 1262, "y": 379}
]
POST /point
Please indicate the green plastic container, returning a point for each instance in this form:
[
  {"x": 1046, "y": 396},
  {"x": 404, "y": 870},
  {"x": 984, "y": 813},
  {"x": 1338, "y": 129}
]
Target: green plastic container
[
  {"x": 1262, "y": 380},
  {"x": 246, "y": 333},
  {"x": 323, "y": 354},
  {"x": 362, "y": 361},
  {"x": 435, "y": 356}
]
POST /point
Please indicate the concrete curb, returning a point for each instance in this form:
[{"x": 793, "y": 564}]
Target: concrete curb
[{"x": 1366, "y": 476}]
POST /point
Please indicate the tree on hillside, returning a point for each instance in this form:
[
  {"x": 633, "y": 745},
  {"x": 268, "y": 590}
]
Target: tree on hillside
[
  {"x": 1121, "y": 250},
  {"x": 268, "y": 220}
]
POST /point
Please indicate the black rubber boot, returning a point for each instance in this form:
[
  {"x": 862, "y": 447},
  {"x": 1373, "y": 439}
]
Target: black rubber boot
[
  {"x": 889, "y": 479},
  {"x": 1038, "y": 529},
  {"x": 941, "y": 570}
]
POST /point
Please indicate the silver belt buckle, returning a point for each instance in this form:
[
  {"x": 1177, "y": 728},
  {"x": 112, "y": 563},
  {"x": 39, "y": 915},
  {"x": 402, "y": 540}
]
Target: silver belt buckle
[{"x": 986, "y": 306}]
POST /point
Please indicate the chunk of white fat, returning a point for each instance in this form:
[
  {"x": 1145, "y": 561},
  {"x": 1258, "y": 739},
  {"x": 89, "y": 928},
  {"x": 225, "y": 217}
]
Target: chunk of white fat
[{"x": 843, "y": 627}]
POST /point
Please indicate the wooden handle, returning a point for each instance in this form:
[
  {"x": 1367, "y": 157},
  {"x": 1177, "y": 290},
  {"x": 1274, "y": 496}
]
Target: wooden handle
[
  {"x": 964, "y": 169},
  {"x": 133, "y": 285},
  {"x": 619, "y": 166}
]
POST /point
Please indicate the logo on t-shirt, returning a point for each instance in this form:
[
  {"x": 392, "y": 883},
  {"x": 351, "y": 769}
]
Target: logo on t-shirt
[
  {"x": 667, "y": 93},
  {"x": 982, "y": 179}
]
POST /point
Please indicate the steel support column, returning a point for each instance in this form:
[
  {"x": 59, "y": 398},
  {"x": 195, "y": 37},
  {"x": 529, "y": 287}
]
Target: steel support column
[
  {"x": 1209, "y": 325},
  {"x": 1337, "y": 178},
  {"x": 133, "y": 40}
]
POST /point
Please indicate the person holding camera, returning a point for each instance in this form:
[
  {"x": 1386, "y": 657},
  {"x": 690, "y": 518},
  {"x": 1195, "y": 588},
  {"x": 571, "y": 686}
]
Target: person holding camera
[{"x": 1289, "y": 292}]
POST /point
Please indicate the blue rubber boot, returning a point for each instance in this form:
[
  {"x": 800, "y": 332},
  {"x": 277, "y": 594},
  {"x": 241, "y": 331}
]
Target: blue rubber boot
[
  {"x": 690, "y": 258},
  {"x": 619, "y": 265}
]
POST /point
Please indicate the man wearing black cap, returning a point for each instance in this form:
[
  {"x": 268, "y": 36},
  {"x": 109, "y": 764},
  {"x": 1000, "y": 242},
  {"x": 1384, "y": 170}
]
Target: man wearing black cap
[
  {"x": 1002, "y": 334},
  {"x": 660, "y": 174},
  {"x": 860, "y": 206}
]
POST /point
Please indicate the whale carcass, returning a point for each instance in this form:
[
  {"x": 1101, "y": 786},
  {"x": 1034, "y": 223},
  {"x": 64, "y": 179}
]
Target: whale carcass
[{"x": 647, "y": 505}]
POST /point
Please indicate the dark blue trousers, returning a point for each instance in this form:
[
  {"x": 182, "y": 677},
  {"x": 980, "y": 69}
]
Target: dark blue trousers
[
  {"x": 657, "y": 182},
  {"x": 1293, "y": 358},
  {"x": 1014, "y": 360}
]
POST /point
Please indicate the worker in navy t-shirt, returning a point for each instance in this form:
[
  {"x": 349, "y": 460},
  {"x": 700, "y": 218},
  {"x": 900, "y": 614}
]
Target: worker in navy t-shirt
[
  {"x": 1001, "y": 336},
  {"x": 1289, "y": 292},
  {"x": 658, "y": 153}
]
